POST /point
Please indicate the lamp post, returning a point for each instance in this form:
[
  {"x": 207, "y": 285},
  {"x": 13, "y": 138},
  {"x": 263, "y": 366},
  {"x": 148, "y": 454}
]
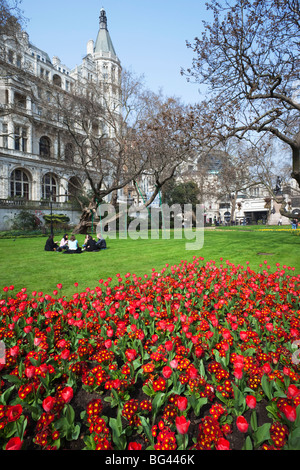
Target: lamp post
[{"x": 51, "y": 222}]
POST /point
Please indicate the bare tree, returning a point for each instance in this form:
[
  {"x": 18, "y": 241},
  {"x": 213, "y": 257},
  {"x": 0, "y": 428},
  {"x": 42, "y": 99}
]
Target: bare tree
[
  {"x": 96, "y": 125},
  {"x": 11, "y": 17},
  {"x": 248, "y": 56},
  {"x": 165, "y": 139}
]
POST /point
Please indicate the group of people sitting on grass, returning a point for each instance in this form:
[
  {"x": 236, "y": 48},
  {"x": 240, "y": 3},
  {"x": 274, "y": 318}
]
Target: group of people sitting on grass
[{"x": 68, "y": 246}]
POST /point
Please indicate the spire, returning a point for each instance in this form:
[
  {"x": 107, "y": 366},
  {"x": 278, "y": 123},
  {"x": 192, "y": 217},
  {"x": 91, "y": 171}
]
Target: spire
[
  {"x": 103, "y": 42},
  {"x": 103, "y": 19}
]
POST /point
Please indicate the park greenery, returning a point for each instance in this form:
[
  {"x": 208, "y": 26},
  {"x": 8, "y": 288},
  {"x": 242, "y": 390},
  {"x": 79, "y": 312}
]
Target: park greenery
[
  {"x": 191, "y": 355},
  {"x": 146, "y": 345}
]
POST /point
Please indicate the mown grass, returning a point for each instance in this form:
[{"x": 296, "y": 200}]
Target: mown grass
[{"x": 24, "y": 263}]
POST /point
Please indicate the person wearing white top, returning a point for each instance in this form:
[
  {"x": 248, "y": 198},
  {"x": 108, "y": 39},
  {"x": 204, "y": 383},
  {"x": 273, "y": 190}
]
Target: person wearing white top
[{"x": 73, "y": 246}]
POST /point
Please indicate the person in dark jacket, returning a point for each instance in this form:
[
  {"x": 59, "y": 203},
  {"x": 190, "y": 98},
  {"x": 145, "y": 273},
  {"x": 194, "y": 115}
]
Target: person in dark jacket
[
  {"x": 101, "y": 243},
  {"x": 50, "y": 244},
  {"x": 91, "y": 244}
]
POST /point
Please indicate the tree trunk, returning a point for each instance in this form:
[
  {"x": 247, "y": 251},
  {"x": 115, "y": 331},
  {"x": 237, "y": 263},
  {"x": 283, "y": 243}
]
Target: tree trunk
[
  {"x": 296, "y": 164},
  {"x": 85, "y": 222}
]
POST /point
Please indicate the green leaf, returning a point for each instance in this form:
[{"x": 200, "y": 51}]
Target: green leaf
[
  {"x": 239, "y": 400},
  {"x": 294, "y": 440},
  {"x": 70, "y": 414},
  {"x": 158, "y": 400},
  {"x": 76, "y": 432},
  {"x": 147, "y": 428},
  {"x": 148, "y": 390},
  {"x": 266, "y": 386},
  {"x": 248, "y": 444},
  {"x": 5, "y": 395},
  {"x": 13, "y": 379},
  {"x": 253, "y": 421},
  {"x": 297, "y": 421},
  {"x": 118, "y": 437},
  {"x": 202, "y": 369},
  {"x": 262, "y": 434}
]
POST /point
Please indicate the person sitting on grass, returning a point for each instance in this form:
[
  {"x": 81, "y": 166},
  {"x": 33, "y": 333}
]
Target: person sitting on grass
[
  {"x": 51, "y": 245},
  {"x": 101, "y": 243},
  {"x": 91, "y": 244},
  {"x": 73, "y": 246},
  {"x": 85, "y": 242},
  {"x": 64, "y": 243}
]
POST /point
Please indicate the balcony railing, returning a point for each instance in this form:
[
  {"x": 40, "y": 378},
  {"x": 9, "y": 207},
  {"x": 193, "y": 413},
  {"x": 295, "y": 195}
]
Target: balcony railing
[{"x": 18, "y": 203}]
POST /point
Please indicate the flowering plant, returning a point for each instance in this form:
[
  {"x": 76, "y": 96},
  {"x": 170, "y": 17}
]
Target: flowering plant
[{"x": 191, "y": 357}]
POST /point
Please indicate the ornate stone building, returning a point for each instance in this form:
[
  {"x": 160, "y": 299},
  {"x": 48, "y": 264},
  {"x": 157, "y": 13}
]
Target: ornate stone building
[{"x": 36, "y": 156}]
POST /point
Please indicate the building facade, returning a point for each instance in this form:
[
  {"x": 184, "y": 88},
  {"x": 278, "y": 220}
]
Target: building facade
[{"x": 37, "y": 164}]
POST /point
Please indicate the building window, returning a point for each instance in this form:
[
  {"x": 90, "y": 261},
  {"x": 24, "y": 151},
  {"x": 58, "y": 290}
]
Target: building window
[
  {"x": 20, "y": 138},
  {"x": 57, "y": 80},
  {"x": 49, "y": 187},
  {"x": 19, "y": 184},
  {"x": 19, "y": 60},
  {"x": 20, "y": 100},
  {"x": 5, "y": 135},
  {"x": 45, "y": 147},
  {"x": 11, "y": 56},
  {"x": 69, "y": 153}
]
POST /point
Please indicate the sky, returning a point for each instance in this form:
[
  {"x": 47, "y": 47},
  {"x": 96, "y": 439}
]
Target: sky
[{"x": 149, "y": 36}]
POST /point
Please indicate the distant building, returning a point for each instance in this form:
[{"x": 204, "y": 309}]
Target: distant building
[{"x": 252, "y": 205}]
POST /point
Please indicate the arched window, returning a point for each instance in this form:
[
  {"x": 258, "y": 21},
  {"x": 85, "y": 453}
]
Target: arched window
[
  {"x": 20, "y": 184},
  {"x": 57, "y": 80},
  {"x": 45, "y": 146},
  {"x": 69, "y": 153},
  {"x": 49, "y": 187}
]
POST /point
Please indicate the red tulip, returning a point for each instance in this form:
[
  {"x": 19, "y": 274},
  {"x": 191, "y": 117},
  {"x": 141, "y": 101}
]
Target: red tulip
[
  {"x": 67, "y": 394},
  {"x": 14, "y": 351},
  {"x": 182, "y": 403},
  {"x": 174, "y": 363},
  {"x": 182, "y": 424},
  {"x": 29, "y": 372},
  {"x": 167, "y": 372},
  {"x": 14, "y": 412},
  {"x": 131, "y": 354},
  {"x": 134, "y": 446},
  {"x": 243, "y": 335},
  {"x": 238, "y": 373},
  {"x": 65, "y": 354},
  {"x": 223, "y": 444},
  {"x": 251, "y": 401},
  {"x": 242, "y": 424},
  {"x": 293, "y": 391},
  {"x": 266, "y": 368},
  {"x": 290, "y": 412},
  {"x": 14, "y": 443},
  {"x": 169, "y": 345},
  {"x": 192, "y": 372},
  {"x": 48, "y": 404}
]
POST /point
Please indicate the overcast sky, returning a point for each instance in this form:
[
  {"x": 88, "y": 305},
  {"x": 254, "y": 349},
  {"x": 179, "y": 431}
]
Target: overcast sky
[{"x": 149, "y": 36}]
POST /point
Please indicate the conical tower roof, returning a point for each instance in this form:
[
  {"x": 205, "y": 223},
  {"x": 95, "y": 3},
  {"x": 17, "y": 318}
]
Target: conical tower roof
[{"x": 103, "y": 42}]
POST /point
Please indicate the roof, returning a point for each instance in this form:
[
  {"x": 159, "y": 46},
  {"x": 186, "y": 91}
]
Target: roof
[
  {"x": 103, "y": 42},
  {"x": 40, "y": 52}
]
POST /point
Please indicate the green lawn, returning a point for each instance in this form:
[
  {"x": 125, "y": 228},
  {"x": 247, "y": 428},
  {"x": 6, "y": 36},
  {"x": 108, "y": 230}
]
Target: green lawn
[{"x": 24, "y": 263}]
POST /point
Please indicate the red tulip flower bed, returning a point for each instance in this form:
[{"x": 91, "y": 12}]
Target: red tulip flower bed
[{"x": 194, "y": 357}]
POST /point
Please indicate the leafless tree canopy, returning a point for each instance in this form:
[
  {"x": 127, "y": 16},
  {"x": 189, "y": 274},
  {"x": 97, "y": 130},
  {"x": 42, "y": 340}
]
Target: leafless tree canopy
[{"x": 248, "y": 56}]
